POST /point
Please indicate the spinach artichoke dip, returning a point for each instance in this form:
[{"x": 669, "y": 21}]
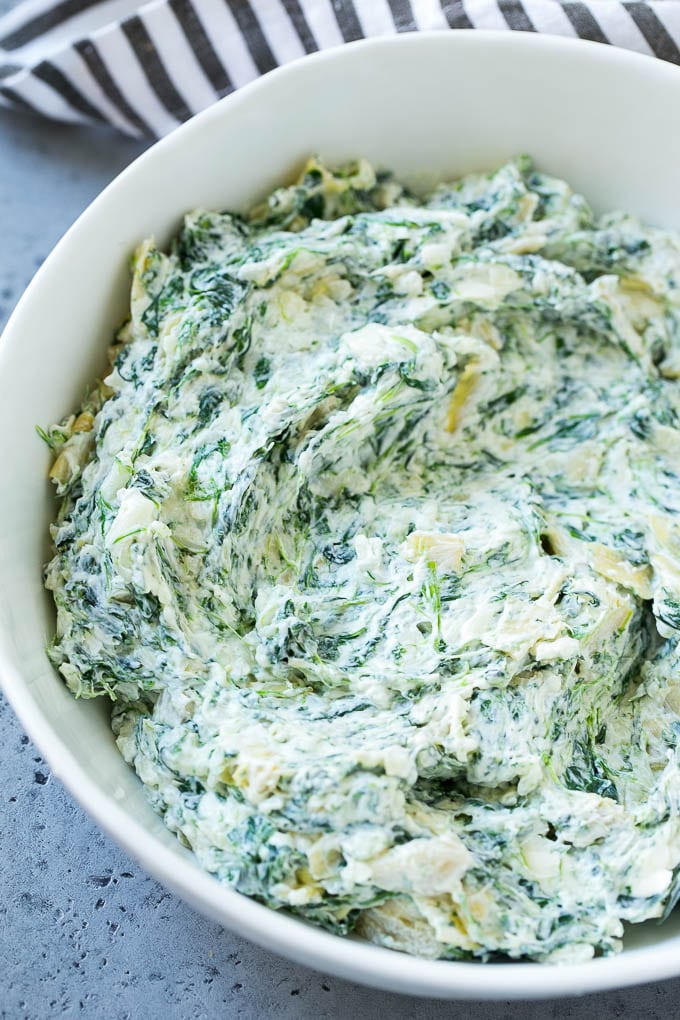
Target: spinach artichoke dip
[{"x": 372, "y": 537}]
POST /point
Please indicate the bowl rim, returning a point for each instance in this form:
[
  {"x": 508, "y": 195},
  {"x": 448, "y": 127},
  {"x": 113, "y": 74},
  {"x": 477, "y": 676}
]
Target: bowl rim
[{"x": 291, "y": 937}]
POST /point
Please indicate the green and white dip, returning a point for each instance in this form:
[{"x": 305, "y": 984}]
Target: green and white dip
[{"x": 372, "y": 535}]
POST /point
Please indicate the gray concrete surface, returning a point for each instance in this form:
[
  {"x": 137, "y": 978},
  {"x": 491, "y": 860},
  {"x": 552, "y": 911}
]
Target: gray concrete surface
[{"x": 83, "y": 931}]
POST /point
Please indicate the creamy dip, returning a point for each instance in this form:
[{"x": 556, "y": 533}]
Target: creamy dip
[{"x": 372, "y": 536}]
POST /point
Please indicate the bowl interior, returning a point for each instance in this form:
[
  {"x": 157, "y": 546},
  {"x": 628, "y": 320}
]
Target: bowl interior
[{"x": 428, "y": 107}]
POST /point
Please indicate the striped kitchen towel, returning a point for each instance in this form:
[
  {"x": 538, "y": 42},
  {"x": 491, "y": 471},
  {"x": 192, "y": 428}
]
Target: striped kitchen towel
[{"x": 144, "y": 67}]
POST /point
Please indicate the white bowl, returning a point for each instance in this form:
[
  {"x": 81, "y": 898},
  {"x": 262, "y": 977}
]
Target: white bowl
[{"x": 436, "y": 104}]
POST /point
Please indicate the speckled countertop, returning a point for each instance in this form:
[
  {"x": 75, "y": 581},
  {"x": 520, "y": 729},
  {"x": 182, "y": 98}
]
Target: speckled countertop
[{"x": 83, "y": 931}]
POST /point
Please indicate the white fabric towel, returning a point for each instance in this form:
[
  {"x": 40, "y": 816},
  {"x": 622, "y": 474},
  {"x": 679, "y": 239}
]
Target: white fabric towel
[{"x": 144, "y": 69}]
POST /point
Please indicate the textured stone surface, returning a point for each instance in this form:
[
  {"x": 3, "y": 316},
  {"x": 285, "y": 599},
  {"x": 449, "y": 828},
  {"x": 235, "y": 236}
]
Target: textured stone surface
[{"x": 83, "y": 931}]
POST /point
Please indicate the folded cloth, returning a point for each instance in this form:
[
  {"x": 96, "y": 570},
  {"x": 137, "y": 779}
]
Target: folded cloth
[{"x": 144, "y": 68}]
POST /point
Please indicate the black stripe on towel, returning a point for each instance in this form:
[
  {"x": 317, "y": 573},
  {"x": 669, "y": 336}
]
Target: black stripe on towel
[
  {"x": 347, "y": 20},
  {"x": 659, "y": 40},
  {"x": 204, "y": 50},
  {"x": 153, "y": 67},
  {"x": 301, "y": 25},
  {"x": 101, "y": 74},
  {"x": 582, "y": 19},
  {"x": 516, "y": 17},
  {"x": 45, "y": 22},
  {"x": 6, "y": 70},
  {"x": 454, "y": 12},
  {"x": 17, "y": 100},
  {"x": 253, "y": 36},
  {"x": 402, "y": 15},
  {"x": 46, "y": 72}
]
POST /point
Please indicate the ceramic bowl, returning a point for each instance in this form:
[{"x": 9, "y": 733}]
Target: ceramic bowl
[{"x": 429, "y": 107}]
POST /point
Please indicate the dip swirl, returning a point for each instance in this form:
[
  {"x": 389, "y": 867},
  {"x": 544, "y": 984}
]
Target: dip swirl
[{"x": 372, "y": 537}]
